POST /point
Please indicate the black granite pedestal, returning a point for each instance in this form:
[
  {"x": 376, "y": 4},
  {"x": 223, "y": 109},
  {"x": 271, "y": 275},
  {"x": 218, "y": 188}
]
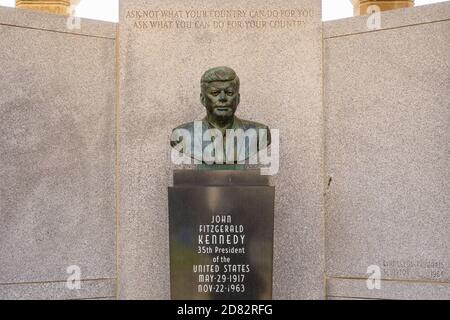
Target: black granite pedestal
[{"x": 221, "y": 235}]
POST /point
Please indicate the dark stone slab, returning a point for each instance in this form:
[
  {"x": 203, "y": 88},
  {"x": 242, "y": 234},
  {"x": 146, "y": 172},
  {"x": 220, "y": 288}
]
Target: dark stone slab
[
  {"x": 221, "y": 235},
  {"x": 220, "y": 178}
]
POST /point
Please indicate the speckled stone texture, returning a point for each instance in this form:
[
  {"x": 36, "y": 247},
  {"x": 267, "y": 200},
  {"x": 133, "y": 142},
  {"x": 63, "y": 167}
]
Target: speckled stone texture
[
  {"x": 101, "y": 289},
  {"x": 391, "y": 19},
  {"x": 351, "y": 289},
  {"x": 281, "y": 85},
  {"x": 387, "y": 98},
  {"x": 57, "y": 155},
  {"x": 55, "y": 23}
]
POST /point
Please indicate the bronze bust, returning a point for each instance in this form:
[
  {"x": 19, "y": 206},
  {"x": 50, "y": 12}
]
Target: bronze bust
[{"x": 220, "y": 96}]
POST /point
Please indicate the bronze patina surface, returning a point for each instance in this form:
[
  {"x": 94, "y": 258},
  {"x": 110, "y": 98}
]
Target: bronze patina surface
[{"x": 220, "y": 96}]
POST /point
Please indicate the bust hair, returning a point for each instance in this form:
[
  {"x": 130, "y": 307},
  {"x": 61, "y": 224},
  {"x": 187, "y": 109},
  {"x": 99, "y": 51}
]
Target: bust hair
[{"x": 219, "y": 74}]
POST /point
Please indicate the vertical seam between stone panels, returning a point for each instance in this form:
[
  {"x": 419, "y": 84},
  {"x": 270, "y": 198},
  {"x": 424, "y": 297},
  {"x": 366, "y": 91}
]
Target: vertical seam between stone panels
[
  {"x": 117, "y": 171},
  {"x": 324, "y": 165}
]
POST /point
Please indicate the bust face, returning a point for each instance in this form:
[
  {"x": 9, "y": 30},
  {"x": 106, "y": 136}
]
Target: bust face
[{"x": 220, "y": 99}]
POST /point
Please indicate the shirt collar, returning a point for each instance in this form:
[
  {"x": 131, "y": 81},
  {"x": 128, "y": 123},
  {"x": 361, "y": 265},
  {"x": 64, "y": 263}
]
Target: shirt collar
[{"x": 234, "y": 125}]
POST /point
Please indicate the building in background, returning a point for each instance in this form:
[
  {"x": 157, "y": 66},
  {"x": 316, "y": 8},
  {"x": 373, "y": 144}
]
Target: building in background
[
  {"x": 361, "y": 6},
  {"x": 65, "y": 7}
]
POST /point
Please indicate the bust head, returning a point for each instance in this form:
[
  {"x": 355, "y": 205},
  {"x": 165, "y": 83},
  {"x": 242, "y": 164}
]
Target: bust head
[
  {"x": 222, "y": 135},
  {"x": 220, "y": 94}
]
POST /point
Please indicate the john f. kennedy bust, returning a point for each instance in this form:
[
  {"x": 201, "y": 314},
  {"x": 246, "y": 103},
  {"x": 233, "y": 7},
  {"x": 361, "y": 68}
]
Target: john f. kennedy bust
[{"x": 228, "y": 138}]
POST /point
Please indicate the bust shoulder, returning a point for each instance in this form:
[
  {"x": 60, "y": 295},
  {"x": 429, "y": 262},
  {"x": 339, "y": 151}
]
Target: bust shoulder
[
  {"x": 179, "y": 132},
  {"x": 246, "y": 124},
  {"x": 189, "y": 126}
]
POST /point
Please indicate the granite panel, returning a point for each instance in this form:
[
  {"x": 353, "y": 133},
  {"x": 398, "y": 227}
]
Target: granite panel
[
  {"x": 387, "y": 146},
  {"x": 392, "y": 19},
  {"x": 29, "y": 19},
  {"x": 390, "y": 290},
  {"x": 281, "y": 85},
  {"x": 89, "y": 290},
  {"x": 57, "y": 154}
]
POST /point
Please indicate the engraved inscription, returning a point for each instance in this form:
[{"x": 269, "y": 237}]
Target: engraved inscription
[
  {"x": 412, "y": 269},
  {"x": 222, "y": 240},
  {"x": 219, "y": 20}
]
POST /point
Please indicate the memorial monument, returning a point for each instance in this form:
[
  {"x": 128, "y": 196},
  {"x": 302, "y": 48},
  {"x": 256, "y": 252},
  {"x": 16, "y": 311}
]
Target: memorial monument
[
  {"x": 221, "y": 221},
  {"x": 172, "y": 54},
  {"x": 235, "y": 139},
  {"x": 357, "y": 207}
]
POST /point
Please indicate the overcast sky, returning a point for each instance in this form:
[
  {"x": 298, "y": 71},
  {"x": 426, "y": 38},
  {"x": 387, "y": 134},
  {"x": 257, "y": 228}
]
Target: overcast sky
[{"x": 108, "y": 10}]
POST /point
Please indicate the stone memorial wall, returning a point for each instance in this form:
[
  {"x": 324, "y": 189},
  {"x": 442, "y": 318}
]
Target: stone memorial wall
[
  {"x": 361, "y": 190},
  {"x": 276, "y": 49},
  {"x": 57, "y": 147},
  {"x": 386, "y": 98}
]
